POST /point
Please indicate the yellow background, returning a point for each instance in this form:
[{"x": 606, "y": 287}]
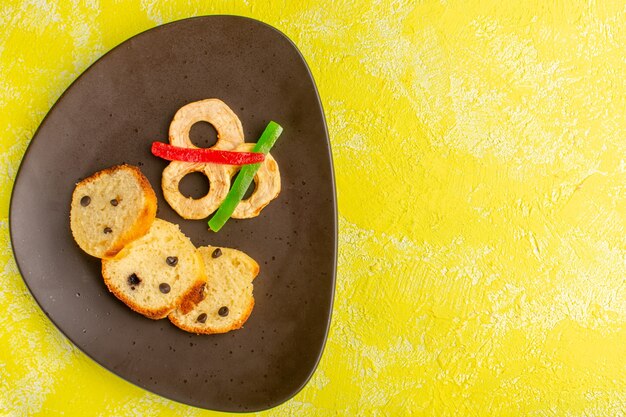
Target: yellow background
[{"x": 480, "y": 159}]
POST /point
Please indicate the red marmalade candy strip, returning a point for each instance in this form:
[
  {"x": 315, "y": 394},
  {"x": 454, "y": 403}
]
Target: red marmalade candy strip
[{"x": 174, "y": 153}]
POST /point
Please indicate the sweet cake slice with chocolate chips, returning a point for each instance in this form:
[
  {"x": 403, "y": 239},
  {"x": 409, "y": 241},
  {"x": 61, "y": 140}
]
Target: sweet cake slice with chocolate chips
[
  {"x": 110, "y": 209},
  {"x": 157, "y": 273},
  {"x": 228, "y": 298},
  {"x": 150, "y": 265}
]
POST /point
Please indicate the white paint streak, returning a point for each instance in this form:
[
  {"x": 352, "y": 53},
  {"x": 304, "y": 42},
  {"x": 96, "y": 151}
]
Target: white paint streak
[
  {"x": 151, "y": 9},
  {"x": 34, "y": 377}
]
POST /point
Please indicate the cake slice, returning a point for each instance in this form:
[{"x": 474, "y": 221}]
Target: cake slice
[
  {"x": 110, "y": 209},
  {"x": 228, "y": 298},
  {"x": 157, "y": 273}
]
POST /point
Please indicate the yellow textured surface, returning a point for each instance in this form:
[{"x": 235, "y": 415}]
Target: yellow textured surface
[{"x": 480, "y": 159}]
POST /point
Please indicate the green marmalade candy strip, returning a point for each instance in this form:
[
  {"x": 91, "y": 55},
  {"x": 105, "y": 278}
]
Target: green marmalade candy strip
[{"x": 245, "y": 177}]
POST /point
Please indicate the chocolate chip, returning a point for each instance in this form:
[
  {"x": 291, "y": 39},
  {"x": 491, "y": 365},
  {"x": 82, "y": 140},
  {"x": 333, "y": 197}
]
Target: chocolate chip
[
  {"x": 171, "y": 260},
  {"x": 114, "y": 202},
  {"x": 85, "y": 201},
  {"x": 223, "y": 311},
  {"x": 164, "y": 287},
  {"x": 202, "y": 318},
  {"x": 217, "y": 253},
  {"x": 107, "y": 230},
  {"x": 133, "y": 279}
]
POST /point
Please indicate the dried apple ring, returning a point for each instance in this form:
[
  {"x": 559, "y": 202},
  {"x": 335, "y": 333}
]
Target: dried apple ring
[
  {"x": 195, "y": 208},
  {"x": 267, "y": 186},
  {"x": 214, "y": 111}
]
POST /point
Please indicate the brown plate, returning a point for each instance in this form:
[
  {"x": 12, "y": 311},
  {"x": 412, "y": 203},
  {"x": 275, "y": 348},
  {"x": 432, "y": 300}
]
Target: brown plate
[{"x": 110, "y": 115}]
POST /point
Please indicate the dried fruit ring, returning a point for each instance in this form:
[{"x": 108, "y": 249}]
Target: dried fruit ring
[
  {"x": 267, "y": 186},
  {"x": 214, "y": 111},
  {"x": 190, "y": 208}
]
